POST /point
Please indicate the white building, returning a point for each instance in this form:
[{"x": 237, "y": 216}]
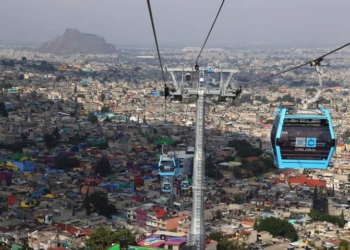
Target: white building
[{"x": 185, "y": 159}]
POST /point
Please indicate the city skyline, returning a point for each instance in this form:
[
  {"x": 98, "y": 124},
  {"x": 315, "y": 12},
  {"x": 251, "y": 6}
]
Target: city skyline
[{"x": 251, "y": 23}]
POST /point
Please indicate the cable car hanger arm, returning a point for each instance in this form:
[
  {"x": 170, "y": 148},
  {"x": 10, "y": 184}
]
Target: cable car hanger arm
[{"x": 315, "y": 99}]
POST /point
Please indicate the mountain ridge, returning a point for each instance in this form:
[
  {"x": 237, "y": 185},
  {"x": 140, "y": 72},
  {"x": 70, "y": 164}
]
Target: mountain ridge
[{"x": 73, "y": 41}]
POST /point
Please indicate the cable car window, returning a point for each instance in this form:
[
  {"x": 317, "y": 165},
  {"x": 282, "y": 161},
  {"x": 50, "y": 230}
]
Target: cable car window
[
  {"x": 166, "y": 166},
  {"x": 305, "y": 139},
  {"x": 273, "y": 134}
]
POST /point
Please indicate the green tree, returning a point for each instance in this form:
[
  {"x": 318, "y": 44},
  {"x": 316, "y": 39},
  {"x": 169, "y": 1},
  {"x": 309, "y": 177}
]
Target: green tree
[
  {"x": 5, "y": 113},
  {"x": 278, "y": 194},
  {"x": 67, "y": 163},
  {"x": 237, "y": 172},
  {"x": 237, "y": 199},
  {"x": 99, "y": 202},
  {"x": 92, "y": 118},
  {"x": 316, "y": 215},
  {"x": 50, "y": 141},
  {"x": 277, "y": 227},
  {"x": 103, "y": 97},
  {"x": 25, "y": 246},
  {"x": 105, "y": 109},
  {"x": 342, "y": 218},
  {"x": 218, "y": 214},
  {"x": 344, "y": 245},
  {"x": 211, "y": 170},
  {"x": 104, "y": 238},
  {"x": 225, "y": 244},
  {"x": 24, "y": 137},
  {"x": 87, "y": 203},
  {"x": 217, "y": 236},
  {"x": 103, "y": 168},
  {"x": 56, "y": 134},
  {"x": 273, "y": 88},
  {"x": 315, "y": 196}
]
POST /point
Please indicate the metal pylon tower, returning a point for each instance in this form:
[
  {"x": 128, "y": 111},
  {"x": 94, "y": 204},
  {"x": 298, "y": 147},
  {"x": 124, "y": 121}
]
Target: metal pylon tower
[{"x": 226, "y": 91}]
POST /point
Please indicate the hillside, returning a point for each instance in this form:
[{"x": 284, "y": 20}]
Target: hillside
[{"x": 73, "y": 41}]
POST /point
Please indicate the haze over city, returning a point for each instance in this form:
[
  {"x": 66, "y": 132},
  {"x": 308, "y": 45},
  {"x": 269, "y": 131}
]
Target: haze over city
[
  {"x": 178, "y": 22},
  {"x": 110, "y": 142}
]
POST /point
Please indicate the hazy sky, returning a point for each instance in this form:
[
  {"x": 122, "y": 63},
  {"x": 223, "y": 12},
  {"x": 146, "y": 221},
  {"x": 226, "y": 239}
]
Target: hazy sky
[{"x": 183, "y": 22}]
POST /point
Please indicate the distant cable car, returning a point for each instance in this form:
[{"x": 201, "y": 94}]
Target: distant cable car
[
  {"x": 166, "y": 186},
  {"x": 179, "y": 177},
  {"x": 210, "y": 70},
  {"x": 185, "y": 185},
  {"x": 166, "y": 165}
]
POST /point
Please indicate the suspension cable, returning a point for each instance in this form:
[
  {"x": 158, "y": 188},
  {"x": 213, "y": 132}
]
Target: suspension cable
[
  {"x": 155, "y": 38},
  {"x": 212, "y": 26},
  {"x": 311, "y": 63},
  {"x": 166, "y": 88}
]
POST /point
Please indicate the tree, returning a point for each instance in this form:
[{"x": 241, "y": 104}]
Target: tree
[
  {"x": 342, "y": 218},
  {"x": 218, "y": 214},
  {"x": 67, "y": 163},
  {"x": 104, "y": 238},
  {"x": 217, "y": 236},
  {"x": 237, "y": 172},
  {"x": 344, "y": 245},
  {"x": 103, "y": 97},
  {"x": 56, "y": 134},
  {"x": 277, "y": 227},
  {"x": 92, "y": 118},
  {"x": 104, "y": 109},
  {"x": 2, "y": 107},
  {"x": 87, "y": 203},
  {"x": 103, "y": 168},
  {"x": 315, "y": 196},
  {"x": 5, "y": 113},
  {"x": 24, "y": 137},
  {"x": 25, "y": 246},
  {"x": 211, "y": 170},
  {"x": 278, "y": 194},
  {"x": 98, "y": 200},
  {"x": 316, "y": 215},
  {"x": 237, "y": 199},
  {"x": 50, "y": 141}
]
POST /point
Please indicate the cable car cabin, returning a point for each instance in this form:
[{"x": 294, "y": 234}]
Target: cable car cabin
[
  {"x": 179, "y": 177},
  {"x": 304, "y": 139},
  {"x": 185, "y": 185},
  {"x": 166, "y": 186},
  {"x": 167, "y": 166}
]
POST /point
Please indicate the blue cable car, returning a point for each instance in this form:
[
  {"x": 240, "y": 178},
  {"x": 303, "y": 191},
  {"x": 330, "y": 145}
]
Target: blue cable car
[
  {"x": 179, "y": 177},
  {"x": 167, "y": 165},
  {"x": 303, "y": 139},
  {"x": 166, "y": 186},
  {"x": 185, "y": 185}
]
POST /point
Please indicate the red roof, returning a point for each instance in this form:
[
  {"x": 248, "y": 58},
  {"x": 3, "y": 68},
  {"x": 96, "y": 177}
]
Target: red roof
[
  {"x": 303, "y": 179},
  {"x": 161, "y": 212}
]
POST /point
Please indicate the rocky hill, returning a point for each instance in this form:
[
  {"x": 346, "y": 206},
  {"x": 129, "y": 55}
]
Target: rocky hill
[{"x": 73, "y": 41}]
